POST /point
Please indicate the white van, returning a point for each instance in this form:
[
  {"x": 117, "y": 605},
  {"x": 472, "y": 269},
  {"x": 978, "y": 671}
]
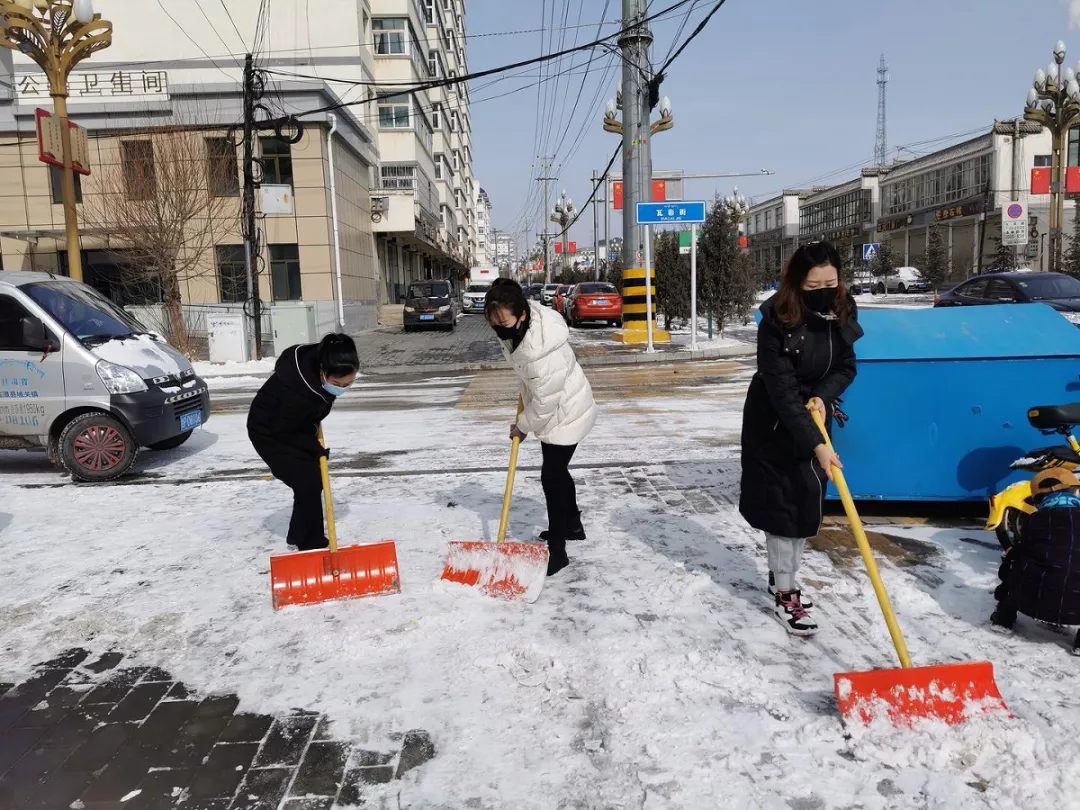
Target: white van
[{"x": 86, "y": 381}]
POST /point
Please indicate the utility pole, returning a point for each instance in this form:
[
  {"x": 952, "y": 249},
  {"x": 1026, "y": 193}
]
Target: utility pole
[
  {"x": 248, "y": 214},
  {"x": 638, "y": 99},
  {"x": 596, "y": 225},
  {"x": 607, "y": 219},
  {"x": 546, "y": 179}
]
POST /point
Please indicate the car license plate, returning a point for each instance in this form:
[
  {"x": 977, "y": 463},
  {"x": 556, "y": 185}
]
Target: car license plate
[
  {"x": 190, "y": 421},
  {"x": 478, "y": 304},
  {"x": 427, "y": 317},
  {"x": 600, "y": 302}
]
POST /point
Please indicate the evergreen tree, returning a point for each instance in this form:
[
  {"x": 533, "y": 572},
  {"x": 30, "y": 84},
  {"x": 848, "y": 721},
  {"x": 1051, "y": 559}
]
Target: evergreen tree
[
  {"x": 1004, "y": 258},
  {"x": 936, "y": 269},
  {"x": 1070, "y": 262},
  {"x": 672, "y": 278},
  {"x": 727, "y": 277},
  {"x": 881, "y": 266}
]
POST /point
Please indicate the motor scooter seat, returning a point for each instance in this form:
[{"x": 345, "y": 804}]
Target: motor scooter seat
[{"x": 1051, "y": 417}]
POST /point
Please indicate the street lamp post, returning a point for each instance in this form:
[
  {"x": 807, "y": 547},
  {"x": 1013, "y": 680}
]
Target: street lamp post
[
  {"x": 562, "y": 216},
  {"x": 638, "y": 278},
  {"x": 57, "y": 35},
  {"x": 1054, "y": 102}
]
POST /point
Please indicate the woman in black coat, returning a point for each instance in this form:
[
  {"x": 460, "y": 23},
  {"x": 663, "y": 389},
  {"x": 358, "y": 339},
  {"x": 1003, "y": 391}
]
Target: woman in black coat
[
  {"x": 283, "y": 426},
  {"x": 806, "y": 360}
]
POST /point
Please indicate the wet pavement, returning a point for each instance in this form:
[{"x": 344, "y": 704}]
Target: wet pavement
[{"x": 92, "y": 735}]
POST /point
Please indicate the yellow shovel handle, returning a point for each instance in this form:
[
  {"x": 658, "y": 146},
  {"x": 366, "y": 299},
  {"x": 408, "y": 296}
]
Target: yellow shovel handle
[
  {"x": 504, "y": 518},
  {"x": 864, "y": 549},
  {"x": 324, "y": 469}
]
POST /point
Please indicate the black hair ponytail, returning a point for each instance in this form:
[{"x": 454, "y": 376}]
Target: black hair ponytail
[
  {"x": 337, "y": 356},
  {"x": 505, "y": 292}
]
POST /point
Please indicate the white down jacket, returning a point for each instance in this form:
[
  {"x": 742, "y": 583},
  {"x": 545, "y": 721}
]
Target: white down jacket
[{"x": 558, "y": 400}]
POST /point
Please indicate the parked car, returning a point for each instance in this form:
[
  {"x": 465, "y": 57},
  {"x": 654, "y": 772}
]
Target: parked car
[
  {"x": 547, "y": 295},
  {"x": 560, "y": 297},
  {"x": 901, "y": 280},
  {"x": 533, "y": 291},
  {"x": 595, "y": 301},
  {"x": 430, "y": 304},
  {"x": 1056, "y": 290},
  {"x": 472, "y": 300},
  {"x": 85, "y": 380}
]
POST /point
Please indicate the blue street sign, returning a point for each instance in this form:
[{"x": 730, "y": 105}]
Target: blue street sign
[
  {"x": 870, "y": 251},
  {"x": 689, "y": 211},
  {"x": 611, "y": 256}
]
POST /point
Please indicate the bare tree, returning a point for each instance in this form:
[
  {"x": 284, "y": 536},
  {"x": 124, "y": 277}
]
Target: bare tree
[{"x": 164, "y": 206}]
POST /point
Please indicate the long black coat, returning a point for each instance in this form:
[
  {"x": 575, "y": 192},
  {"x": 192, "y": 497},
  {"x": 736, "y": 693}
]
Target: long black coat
[
  {"x": 1041, "y": 573},
  {"x": 783, "y": 486},
  {"x": 284, "y": 417}
]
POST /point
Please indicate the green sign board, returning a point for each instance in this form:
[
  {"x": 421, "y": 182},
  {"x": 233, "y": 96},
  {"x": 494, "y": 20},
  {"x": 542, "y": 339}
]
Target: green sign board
[{"x": 684, "y": 241}]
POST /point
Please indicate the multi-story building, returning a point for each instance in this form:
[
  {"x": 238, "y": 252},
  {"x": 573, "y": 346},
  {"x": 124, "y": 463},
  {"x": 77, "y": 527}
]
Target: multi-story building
[
  {"x": 402, "y": 162},
  {"x": 505, "y": 250},
  {"x": 772, "y": 229},
  {"x": 844, "y": 214},
  {"x": 485, "y": 247}
]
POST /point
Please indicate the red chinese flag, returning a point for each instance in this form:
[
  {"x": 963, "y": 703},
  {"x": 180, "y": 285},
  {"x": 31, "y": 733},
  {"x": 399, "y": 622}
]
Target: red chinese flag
[
  {"x": 1072, "y": 180},
  {"x": 558, "y": 247},
  {"x": 616, "y": 195},
  {"x": 659, "y": 191},
  {"x": 1040, "y": 181},
  {"x": 573, "y": 247}
]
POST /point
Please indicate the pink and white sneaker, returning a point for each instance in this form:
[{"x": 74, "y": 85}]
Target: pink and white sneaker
[
  {"x": 791, "y": 613},
  {"x": 806, "y": 603}
]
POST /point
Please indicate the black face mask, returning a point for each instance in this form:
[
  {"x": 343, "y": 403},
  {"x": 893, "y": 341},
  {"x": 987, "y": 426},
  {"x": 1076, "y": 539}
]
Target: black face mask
[
  {"x": 506, "y": 332},
  {"x": 821, "y": 300}
]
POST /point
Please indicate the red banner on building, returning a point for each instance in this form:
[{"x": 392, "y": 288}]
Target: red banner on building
[{"x": 1072, "y": 180}]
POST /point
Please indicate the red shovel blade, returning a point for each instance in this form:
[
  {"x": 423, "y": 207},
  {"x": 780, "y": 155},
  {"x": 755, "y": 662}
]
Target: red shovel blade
[
  {"x": 950, "y": 692},
  {"x": 502, "y": 570},
  {"x": 305, "y": 577}
]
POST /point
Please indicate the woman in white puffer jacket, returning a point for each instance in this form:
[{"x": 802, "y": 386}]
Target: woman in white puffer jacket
[{"x": 557, "y": 399}]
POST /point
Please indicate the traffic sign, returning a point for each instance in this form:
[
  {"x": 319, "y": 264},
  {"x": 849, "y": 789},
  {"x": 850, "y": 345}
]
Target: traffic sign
[
  {"x": 689, "y": 211},
  {"x": 870, "y": 251},
  {"x": 1014, "y": 224}
]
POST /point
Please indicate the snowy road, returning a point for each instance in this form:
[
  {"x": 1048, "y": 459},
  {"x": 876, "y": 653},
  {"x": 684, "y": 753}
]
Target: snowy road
[{"x": 649, "y": 675}]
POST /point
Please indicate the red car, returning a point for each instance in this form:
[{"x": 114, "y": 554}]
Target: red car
[
  {"x": 594, "y": 301},
  {"x": 559, "y": 301}
]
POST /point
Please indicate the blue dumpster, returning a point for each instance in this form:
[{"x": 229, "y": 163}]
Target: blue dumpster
[{"x": 939, "y": 408}]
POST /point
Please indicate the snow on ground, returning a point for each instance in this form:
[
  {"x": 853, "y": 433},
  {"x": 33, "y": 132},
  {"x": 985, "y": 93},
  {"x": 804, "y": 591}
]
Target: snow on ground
[
  {"x": 650, "y": 674},
  {"x": 252, "y": 368}
]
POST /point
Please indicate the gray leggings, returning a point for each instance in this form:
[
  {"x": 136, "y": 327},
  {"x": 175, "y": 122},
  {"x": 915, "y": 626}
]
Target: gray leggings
[{"x": 785, "y": 558}]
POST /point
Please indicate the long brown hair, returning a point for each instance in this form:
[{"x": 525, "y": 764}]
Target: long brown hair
[{"x": 788, "y": 303}]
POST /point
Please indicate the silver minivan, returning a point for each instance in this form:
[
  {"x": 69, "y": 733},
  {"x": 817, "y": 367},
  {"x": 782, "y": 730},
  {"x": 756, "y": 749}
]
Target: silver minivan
[{"x": 85, "y": 380}]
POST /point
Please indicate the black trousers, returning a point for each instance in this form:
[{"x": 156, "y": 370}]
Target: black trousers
[
  {"x": 559, "y": 489},
  {"x": 300, "y": 472}
]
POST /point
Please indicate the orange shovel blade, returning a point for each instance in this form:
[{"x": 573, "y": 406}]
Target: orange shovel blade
[
  {"x": 303, "y": 577},
  {"x": 950, "y": 692},
  {"x": 502, "y": 570}
]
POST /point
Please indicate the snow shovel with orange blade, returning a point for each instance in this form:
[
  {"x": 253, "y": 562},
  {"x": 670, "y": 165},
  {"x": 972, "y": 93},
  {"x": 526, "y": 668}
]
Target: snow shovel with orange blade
[
  {"x": 500, "y": 569},
  {"x": 303, "y": 577},
  {"x": 949, "y": 692}
]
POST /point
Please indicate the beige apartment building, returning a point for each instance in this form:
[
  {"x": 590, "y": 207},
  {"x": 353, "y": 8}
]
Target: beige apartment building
[{"x": 402, "y": 164}]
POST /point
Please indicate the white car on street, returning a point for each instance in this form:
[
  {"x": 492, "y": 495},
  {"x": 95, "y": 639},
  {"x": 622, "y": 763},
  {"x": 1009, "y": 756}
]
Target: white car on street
[
  {"x": 472, "y": 300},
  {"x": 547, "y": 295}
]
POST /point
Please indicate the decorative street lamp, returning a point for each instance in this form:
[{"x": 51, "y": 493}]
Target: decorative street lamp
[
  {"x": 57, "y": 34},
  {"x": 614, "y": 125},
  {"x": 562, "y": 216},
  {"x": 1054, "y": 102},
  {"x": 736, "y": 205}
]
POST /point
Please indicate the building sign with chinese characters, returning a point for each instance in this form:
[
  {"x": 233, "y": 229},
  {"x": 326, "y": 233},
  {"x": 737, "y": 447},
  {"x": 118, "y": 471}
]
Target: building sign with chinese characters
[
  {"x": 894, "y": 224},
  {"x": 967, "y": 210},
  {"x": 87, "y": 86}
]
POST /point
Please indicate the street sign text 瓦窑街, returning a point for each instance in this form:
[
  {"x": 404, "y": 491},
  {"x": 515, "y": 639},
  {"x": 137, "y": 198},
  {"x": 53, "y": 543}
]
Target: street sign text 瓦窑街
[{"x": 689, "y": 211}]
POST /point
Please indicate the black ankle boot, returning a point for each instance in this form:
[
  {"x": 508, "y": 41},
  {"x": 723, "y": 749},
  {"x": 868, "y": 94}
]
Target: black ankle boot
[
  {"x": 557, "y": 559},
  {"x": 575, "y": 533}
]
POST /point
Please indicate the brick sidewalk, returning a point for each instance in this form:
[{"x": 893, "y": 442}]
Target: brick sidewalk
[{"x": 92, "y": 736}]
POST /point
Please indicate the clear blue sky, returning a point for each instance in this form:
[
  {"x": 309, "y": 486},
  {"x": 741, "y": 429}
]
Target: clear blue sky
[{"x": 788, "y": 85}]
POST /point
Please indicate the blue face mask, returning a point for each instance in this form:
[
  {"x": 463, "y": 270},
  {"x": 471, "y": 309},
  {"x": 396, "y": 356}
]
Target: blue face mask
[{"x": 334, "y": 390}]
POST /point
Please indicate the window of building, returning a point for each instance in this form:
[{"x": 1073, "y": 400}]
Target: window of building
[
  {"x": 1073, "y": 158},
  {"x": 276, "y": 161},
  {"x": 397, "y": 175},
  {"x": 937, "y": 187},
  {"x": 438, "y": 167},
  {"x": 394, "y": 112},
  {"x": 56, "y": 182},
  {"x": 778, "y": 216},
  {"x": 436, "y": 116},
  {"x": 1044, "y": 161},
  {"x": 390, "y": 36},
  {"x": 285, "y": 272},
  {"x": 768, "y": 220},
  {"x": 452, "y": 87},
  {"x": 424, "y": 131},
  {"x": 139, "y": 175},
  {"x": 232, "y": 274},
  {"x": 222, "y": 168},
  {"x": 429, "y": 11},
  {"x": 842, "y": 211},
  {"x": 435, "y": 65},
  {"x": 457, "y": 161}
]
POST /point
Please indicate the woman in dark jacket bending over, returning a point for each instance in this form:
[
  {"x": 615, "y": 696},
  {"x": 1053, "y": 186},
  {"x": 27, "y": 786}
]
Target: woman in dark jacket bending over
[
  {"x": 284, "y": 420},
  {"x": 805, "y": 354}
]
